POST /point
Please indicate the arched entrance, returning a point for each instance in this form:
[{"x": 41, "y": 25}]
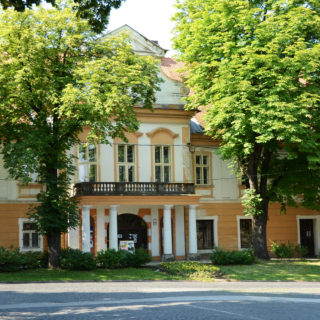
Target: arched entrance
[{"x": 132, "y": 227}]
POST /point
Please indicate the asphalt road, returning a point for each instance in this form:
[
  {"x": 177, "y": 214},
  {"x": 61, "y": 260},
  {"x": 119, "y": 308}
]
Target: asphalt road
[{"x": 160, "y": 300}]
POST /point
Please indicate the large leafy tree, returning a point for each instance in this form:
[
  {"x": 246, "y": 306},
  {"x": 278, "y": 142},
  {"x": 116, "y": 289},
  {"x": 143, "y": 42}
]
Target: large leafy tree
[
  {"x": 97, "y": 12},
  {"x": 254, "y": 65},
  {"x": 57, "y": 77}
]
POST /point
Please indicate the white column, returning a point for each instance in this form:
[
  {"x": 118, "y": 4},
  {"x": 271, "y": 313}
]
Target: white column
[
  {"x": 86, "y": 228},
  {"x": 193, "y": 248},
  {"x": 101, "y": 231},
  {"x": 167, "y": 230},
  {"x": 113, "y": 228}
]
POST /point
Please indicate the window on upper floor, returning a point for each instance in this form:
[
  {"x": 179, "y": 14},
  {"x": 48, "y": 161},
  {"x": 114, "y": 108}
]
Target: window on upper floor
[
  {"x": 245, "y": 233},
  {"x": 87, "y": 163},
  {"x": 30, "y": 239},
  {"x": 162, "y": 163},
  {"x": 126, "y": 163},
  {"x": 202, "y": 169}
]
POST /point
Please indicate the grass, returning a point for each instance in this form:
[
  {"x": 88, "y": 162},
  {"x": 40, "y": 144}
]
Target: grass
[
  {"x": 131, "y": 274},
  {"x": 274, "y": 270}
]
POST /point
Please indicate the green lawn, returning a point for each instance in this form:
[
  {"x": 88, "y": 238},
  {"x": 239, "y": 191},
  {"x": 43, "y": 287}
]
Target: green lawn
[
  {"x": 274, "y": 270},
  {"x": 94, "y": 275}
]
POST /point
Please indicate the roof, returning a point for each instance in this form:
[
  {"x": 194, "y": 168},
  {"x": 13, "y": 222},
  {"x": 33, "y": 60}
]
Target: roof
[{"x": 169, "y": 67}]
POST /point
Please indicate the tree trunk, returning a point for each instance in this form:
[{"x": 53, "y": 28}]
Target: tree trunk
[
  {"x": 54, "y": 248},
  {"x": 259, "y": 235}
]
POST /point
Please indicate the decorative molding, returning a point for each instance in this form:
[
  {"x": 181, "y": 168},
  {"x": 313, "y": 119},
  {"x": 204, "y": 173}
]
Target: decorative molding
[{"x": 162, "y": 130}]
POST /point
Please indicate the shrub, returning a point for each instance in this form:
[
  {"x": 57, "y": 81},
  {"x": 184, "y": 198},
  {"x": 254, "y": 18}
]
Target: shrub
[
  {"x": 223, "y": 257},
  {"x": 283, "y": 250},
  {"x": 10, "y": 259},
  {"x": 301, "y": 251},
  {"x": 31, "y": 260},
  {"x": 74, "y": 259},
  {"x": 112, "y": 259},
  {"x": 138, "y": 258}
]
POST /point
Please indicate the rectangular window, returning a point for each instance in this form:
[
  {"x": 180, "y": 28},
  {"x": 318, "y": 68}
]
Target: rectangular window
[
  {"x": 162, "y": 159},
  {"x": 245, "y": 233},
  {"x": 205, "y": 236},
  {"x": 30, "y": 239},
  {"x": 202, "y": 169},
  {"x": 87, "y": 163},
  {"x": 126, "y": 163}
]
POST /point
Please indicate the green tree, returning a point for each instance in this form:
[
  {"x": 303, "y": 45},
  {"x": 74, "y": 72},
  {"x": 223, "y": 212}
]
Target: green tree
[
  {"x": 97, "y": 12},
  {"x": 57, "y": 77},
  {"x": 254, "y": 66}
]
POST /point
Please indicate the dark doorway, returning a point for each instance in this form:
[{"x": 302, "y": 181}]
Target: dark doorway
[
  {"x": 92, "y": 236},
  {"x": 307, "y": 235},
  {"x": 132, "y": 227}
]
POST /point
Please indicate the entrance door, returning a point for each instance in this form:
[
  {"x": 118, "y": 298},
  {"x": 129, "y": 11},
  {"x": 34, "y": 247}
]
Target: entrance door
[
  {"x": 92, "y": 236},
  {"x": 132, "y": 227},
  {"x": 307, "y": 235}
]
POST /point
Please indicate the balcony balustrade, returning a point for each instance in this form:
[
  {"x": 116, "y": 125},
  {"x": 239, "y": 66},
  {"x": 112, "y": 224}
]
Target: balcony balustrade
[{"x": 132, "y": 188}]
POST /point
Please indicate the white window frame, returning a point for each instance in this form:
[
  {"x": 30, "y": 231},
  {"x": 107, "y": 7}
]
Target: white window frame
[
  {"x": 316, "y": 225},
  {"x": 238, "y": 230},
  {"x": 87, "y": 163},
  {"x": 125, "y": 163},
  {"x": 215, "y": 232},
  {"x": 161, "y": 163},
  {"x": 21, "y": 221},
  {"x": 201, "y": 166}
]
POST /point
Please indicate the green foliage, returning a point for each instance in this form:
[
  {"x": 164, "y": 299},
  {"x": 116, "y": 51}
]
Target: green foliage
[
  {"x": 190, "y": 269},
  {"x": 97, "y": 12},
  {"x": 301, "y": 251},
  {"x": 224, "y": 257},
  {"x": 284, "y": 251},
  {"x": 75, "y": 259},
  {"x": 252, "y": 203},
  {"x": 10, "y": 259},
  {"x": 63, "y": 79},
  {"x": 111, "y": 259},
  {"x": 138, "y": 258},
  {"x": 254, "y": 67}
]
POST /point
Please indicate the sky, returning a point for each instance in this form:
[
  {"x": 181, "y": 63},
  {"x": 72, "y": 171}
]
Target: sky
[{"x": 151, "y": 18}]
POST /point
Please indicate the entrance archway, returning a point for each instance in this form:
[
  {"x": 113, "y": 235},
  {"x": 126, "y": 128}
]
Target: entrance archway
[{"x": 132, "y": 227}]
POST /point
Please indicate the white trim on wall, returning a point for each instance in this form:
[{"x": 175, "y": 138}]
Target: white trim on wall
[
  {"x": 215, "y": 231},
  {"x": 21, "y": 221}
]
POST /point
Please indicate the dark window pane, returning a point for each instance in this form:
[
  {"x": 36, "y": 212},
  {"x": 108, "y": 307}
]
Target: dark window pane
[
  {"x": 166, "y": 154},
  {"x": 26, "y": 240},
  {"x": 122, "y": 177},
  {"x": 198, "y": 160},
  {"x": 246, "y": 233},
  {"x": 131, "y": 174},
  {"x": 29, "y": 226},
  {"x": 92, "y": 153},
  {"x": 205, "y": 234},
  {"x": 205, "y": 175},
  {"x": 204, "y": 160},
  {"x": 130, "y": 154},
  {"x": 93, "y": 173},
  {"x": 35, "y": 240},
  {"x": 166, "y": 173},
  {"x": 158, "y": 173},
  {"x": 82, "y": 153},
  {"x": 198, "y": 175},
  {"x": 121, "y": 153},
  {"x": 157, "y": 157}
]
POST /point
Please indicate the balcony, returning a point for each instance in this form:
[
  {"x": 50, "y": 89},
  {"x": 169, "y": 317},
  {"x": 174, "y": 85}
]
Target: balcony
[{"x": 132, "y": 188}]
